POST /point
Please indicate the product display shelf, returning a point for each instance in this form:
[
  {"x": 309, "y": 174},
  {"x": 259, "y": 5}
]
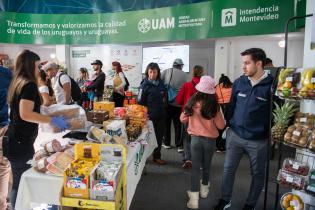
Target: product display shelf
[
  {"x": 304, "y": 155},
  {"x": 120, "y": 202}
]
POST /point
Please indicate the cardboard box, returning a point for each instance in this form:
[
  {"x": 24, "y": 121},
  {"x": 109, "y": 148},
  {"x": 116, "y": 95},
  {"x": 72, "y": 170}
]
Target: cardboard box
[
  {"x": 78, "y": 187},
  {"x": 97, "y": 116},
  {"x": 105, "y": 106}
]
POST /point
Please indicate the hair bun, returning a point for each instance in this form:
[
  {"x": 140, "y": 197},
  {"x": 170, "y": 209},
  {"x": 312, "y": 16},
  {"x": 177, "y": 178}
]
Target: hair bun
[{"x": 222, "y": 75}]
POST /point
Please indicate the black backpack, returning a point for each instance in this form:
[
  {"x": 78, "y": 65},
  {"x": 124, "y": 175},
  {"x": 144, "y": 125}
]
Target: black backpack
[
  {"x": 127, "y": 83},
  {"x": 75, "y": 89}
]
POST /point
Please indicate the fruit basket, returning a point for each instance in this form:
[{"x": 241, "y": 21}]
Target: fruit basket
[
  {"x": 296, "y": 83},
  {"x": 295, "y": 166},
  {"x": 290, "y": 201}
]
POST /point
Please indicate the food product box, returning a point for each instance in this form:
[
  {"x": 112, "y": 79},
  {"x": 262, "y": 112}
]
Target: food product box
[
  {"x": 104, "y": 180},
  {"x": 295, "y": 166},
  {"x": 76, "y": 176},
  {"x": 98, "y": 135},
  {"x": 105, "y": 106},
  {"x": 97, "y": 116},
  {"x": 117, "y": 127},
  {"x": 288, "y": 179}
]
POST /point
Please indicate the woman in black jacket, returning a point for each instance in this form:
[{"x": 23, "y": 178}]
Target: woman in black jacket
[{"x": 152, "y": 92}]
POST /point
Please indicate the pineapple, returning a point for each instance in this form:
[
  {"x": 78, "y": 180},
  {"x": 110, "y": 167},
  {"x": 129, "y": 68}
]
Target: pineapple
[{"x": 282, "y": 117}]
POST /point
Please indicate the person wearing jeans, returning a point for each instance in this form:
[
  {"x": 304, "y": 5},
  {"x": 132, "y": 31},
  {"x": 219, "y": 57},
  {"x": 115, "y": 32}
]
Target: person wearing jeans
[
  {"x": 204, "y": 117},
  {"x": 248, "y": 119},
  {"x": 188, "y": 90}
]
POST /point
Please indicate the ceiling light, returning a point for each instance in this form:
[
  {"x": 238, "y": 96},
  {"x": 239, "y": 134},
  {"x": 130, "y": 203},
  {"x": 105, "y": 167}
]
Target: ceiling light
[{"x": 52, "y": 55}]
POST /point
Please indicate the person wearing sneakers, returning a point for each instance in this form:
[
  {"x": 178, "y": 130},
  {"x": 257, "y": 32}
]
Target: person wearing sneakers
[
  {"x": 152, "y": 95},
  {"x": 248, "y": 119},
  {"x": 175, "y": 77},
  {"x": 204, "y": 117},
  {"x": 188, "y": 89}
]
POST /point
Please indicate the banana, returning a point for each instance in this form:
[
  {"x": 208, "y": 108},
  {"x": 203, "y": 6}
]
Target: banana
[
  {"x": 303, "y": 77},
  {"x": 284, "y": 73},
  {"x": 308, "y": 79}
]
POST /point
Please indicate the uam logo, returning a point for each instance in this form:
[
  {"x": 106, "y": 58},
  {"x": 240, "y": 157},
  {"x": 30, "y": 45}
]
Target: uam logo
[
  {"x": 228, "y": 17},
  {"x": 145, "y": 25}
]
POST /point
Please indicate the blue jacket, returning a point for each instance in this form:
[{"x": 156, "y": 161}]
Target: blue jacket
[
  {"x": 5, "y": 80},
  {"x": 249, "y": 111},
  {"x": 152, "y": 95}
]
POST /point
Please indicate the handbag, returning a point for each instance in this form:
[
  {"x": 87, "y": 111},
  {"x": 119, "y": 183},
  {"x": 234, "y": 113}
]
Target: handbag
[{"x": 171, "y": 93}]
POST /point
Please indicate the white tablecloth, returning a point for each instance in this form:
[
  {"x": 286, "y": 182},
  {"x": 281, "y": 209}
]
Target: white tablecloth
[{"x": 37, "y": 187}]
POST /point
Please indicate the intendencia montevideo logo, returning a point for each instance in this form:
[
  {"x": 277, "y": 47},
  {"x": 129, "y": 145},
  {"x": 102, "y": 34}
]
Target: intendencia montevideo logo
[
  {"x": 232, "y": 16},
  {"x": 145, "y": 25}
]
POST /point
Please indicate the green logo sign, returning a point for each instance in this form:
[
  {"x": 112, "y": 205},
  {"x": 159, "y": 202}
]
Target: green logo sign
[
  {"x": 228, "y": 17},
  {"x": 204, "y": 20}
]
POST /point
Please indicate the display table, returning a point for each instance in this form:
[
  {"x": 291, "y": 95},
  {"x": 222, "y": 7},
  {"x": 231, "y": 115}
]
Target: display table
[{"x": 37, "y": 187}]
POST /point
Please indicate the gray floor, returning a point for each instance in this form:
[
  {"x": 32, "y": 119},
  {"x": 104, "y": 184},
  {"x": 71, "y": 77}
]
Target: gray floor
[{"x": 164, "y": 187}]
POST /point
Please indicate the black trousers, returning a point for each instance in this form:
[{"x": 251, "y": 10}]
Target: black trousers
[
  {"x": 220, "y": 143},
  {"x": 159, "y": 129},
  {"x": 173, "y": 114},
  {"x": 118, "y": 99},
  {"x": 18, "y": 167}
]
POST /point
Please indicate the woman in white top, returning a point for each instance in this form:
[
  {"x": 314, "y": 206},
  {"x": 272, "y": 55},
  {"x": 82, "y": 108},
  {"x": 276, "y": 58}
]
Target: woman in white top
[
  {"x": 119, "y": 85},
  {"x": 45, "y": 89}
]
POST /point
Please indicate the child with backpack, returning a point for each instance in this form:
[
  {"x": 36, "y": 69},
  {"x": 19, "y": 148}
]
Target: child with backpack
[{"x": 204, "y": 117}]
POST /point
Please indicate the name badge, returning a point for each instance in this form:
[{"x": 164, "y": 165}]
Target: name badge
[
  {"x": 262, "y": 99},
  {"x": 242, "y": 95}
]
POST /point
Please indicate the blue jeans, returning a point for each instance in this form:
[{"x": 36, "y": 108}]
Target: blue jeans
[
  {"x": 257, "y": 153},
  {"x": 202, "y": 149},
  {"x": 186, "y": 142}
]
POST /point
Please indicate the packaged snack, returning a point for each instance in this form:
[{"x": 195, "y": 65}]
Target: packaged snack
[
  {"x": 98, "y": 135},
  {"x": 295, "y": 166},
  {"x": 291, "y": 201},
  {"x": 40, "y": 154},
  {"x": 41, "y": 164},
  {"x": 53, "y": 146},
  {"x": 120, "y": 113},
  {"x": 288, "y": 179}
]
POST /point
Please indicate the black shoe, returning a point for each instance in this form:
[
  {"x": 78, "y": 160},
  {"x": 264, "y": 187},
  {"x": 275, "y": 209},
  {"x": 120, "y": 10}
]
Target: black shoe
[
  {"x": 222, "y": 205},
  {"x": 248, "y": 207}
]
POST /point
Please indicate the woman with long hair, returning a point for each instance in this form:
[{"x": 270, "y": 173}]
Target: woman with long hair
[
  {"x": 24, "y": 101},
  {"x": 45, "y": 89},
  {"x": 119, "y": 84},
  {"x": 204, "y": 117},
  {"x": 223, "y": 91}
]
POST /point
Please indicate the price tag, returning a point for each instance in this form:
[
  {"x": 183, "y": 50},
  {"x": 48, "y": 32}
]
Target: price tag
[
  {"x": 303, "y": 119},
  {"x": 289, "y": 179},
  {"x": 289, "y": 79},
  {"x": 297, "y": 133},
  {"x": 294, "y": 203},
  {"x": 313, "y": 80},
  {"x": 296, "y": 166},
  {"x": 311, "y": 188}
]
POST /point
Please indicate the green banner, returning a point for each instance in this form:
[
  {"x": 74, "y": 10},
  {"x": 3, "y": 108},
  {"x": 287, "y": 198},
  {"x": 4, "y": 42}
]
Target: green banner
[{"x": 211, "y": 19}]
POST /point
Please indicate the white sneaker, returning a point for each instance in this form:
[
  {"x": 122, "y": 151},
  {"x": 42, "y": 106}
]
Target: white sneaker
[
  {"x": 166, "y": 146},
  {"x": 180, "y": 150},
  {"x": 193, "y": 202},
  {"x": 204, "y": 190}
]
